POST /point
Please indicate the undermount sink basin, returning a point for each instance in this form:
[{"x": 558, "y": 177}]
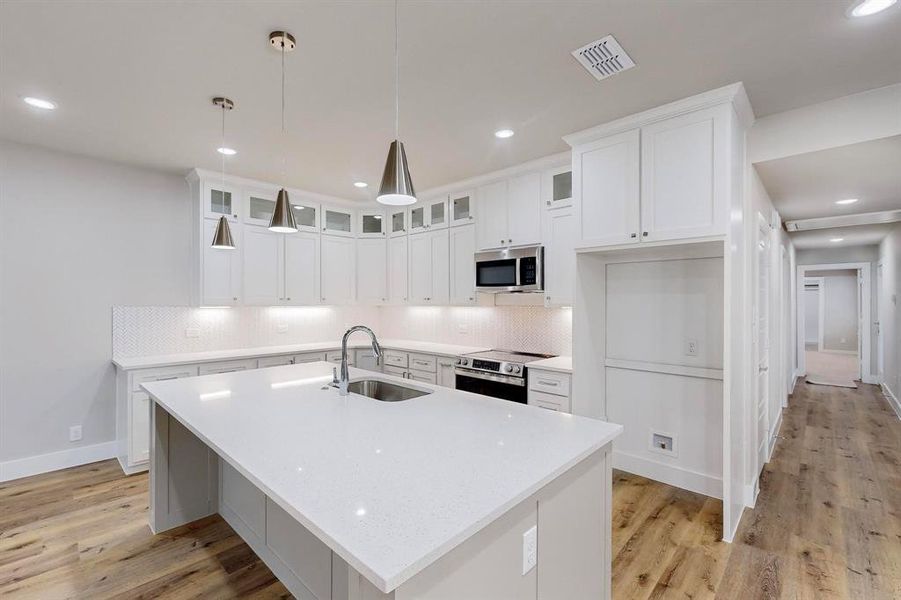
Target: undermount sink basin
[{"x": 383, "y": 390}]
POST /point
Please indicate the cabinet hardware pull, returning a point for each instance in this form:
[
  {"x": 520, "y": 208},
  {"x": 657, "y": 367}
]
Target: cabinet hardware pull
[
  {"x": 288, "y": 299},
  {"x": 509, "y": 241},
  {"x": 167, "y": 378},
  {"x": 634, "y": 235},
  {"x": 644, "y": 234},
  {"x": 548, "y": 202},
  {"x": 235, "y": 298},
  {"x": 548, "y": 383}
]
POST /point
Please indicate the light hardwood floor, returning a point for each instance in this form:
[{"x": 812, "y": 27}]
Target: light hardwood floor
[{"x": 827, "y": 525}]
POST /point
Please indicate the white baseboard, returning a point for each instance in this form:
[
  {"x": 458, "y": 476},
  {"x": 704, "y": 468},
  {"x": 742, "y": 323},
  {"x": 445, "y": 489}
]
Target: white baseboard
[
  {"x": 874, "y": 379},
  {"x": 44, "y": 463},
  {"x": 892, "y": 400},
  {"x": 669, "y": 474},
  {"x": 750, "y": 496}
]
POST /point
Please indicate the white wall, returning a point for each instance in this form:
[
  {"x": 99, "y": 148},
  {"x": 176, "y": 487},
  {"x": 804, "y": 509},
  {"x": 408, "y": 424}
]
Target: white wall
[
  {"x": 840, "y": 309},
  {"x": 77, "y": 236},
  {"x": 812, "y": 315},
  {"x": 889, "y": 315}
]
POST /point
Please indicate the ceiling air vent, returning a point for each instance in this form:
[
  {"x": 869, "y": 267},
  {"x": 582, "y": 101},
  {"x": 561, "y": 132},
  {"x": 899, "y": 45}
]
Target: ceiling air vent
[{"x": 603, "y": 58}]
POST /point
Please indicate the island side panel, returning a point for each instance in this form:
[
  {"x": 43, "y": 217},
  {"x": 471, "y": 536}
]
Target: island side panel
[{"x": 184, "y": 474}]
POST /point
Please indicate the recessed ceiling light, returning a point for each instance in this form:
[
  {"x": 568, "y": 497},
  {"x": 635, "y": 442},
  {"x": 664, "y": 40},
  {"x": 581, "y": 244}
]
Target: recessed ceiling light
[
  {"x": 836, "y": 240},
  {"x": 504, "y": 133},
  {"x": 846, "y": 201},
  {"x": 360, "y": 184},
  {"x": 40, "y": 103},
  {"x": 865, "y": 8},
  {"x": 226, "y": 151}
]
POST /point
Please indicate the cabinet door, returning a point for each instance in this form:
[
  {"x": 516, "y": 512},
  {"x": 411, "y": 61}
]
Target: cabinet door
[
  {"x": 437, "y": 213},
  {"x": 397, "y": 222},
  {"x": 491, "y": 226},
  {"x": 682, "y": 176},
  {"x": 420, "y": 268},
  {"x": 424, "y": 377},
  {"x": 446, "y": 375},
  {"x": 337, "y": 275},
  {"x": 259, "y": 204},
  {"x": 462, "y": 265},
  {"x": 262, "y": 269},
  {"x": 557, "y": 187},
  {"x": 306, "y": 212},
  {"x": 397, "y": 270},
  {"x": 372, "y": 223},
  {"x": 606, "y": 180},
  {"x": 372, "y": 271},
  {"x": 220, "y": 200},
  {"x": 419, "y": 218},
  {"x": 274, "y": 361},
  {"x": 524, "y": 210},
  {"x": 559, "y": 258},
  {"x": 440, "y": 267},
  {"x": 301, "y": 260},
  {"x": 139, "y": 450},
  {"x": 220, "y": 282},
  {"x": 337, "y": 221},
  {"x": 461, "y": 208}
]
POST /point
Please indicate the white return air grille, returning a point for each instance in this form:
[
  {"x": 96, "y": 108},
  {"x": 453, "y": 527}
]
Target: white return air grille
[{"x": 604, "y": 58}]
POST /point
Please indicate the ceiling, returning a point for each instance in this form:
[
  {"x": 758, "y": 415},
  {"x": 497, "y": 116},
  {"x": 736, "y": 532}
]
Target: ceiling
[
  {"x": 860, "y": 235},
  {"x": 133, "y": 80}
]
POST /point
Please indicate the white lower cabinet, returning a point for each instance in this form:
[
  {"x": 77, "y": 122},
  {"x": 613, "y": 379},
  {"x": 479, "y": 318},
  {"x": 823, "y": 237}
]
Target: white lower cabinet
[
  {"x": 550, "y": 390},
  {"x": 430, "y": 268},
  {"x": 338, "y": 272},
  {"x": 139, "y": 448},
  {"x": 559, "y": 257},
  {"x": 462, "y": 265},
  {"x": 423, "y": 367},
  {"x": 372, "y": 270},
  {"x": 366, "y": 359},
  {"x": 274, "y": 361},
  {"x": 446, "y": 376},
  {"x": 308, "y": 357},
  {"x": 227, "y": 366},
  {"x": 334, "y": 356}
]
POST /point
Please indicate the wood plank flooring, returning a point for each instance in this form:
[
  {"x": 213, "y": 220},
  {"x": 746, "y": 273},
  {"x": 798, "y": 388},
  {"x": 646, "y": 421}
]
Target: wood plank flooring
[{"x": 827, "y": 525}]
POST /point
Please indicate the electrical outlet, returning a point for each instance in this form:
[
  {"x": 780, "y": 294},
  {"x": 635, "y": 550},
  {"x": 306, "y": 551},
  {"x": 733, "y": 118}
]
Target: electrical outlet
[
  {"x": 663, "y": 442},
  {"x": 281, "y": 328},
  {"x": 529, "y": 549},
  {"x": 192, "y": 332},
  {"x": 75, "y": 433},
  {"x": 691, "y": 347}
]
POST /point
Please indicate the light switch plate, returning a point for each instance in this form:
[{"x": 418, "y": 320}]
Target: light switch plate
[
  {"x": 75, "y": 433},
  {"x": 529, "y": 549}
]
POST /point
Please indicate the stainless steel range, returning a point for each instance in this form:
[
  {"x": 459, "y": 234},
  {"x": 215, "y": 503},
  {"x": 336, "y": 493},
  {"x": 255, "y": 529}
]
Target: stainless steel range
[{"x": 497, "y": 373}]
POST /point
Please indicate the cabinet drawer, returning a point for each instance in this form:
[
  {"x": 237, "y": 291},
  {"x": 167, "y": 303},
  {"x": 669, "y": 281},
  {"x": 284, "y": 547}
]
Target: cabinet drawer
[
  {"x": 549, "y": 382},
  {"x": 335, "y": 357},
  {"x": 423, "y": 362},
  {"x": 425, "y": 377},
  {"x": 310, "y": 357},
  {"x": 139, "y": 377},
  {"x": 549, "y": 401},
  {"x": 275, "y": 361},
  {"x": 308, "y": 558},
  {"x": 228, "y": 366},
  {"x": 395, "y": 359},
  {"x": 139, "y": 448},
  {"x": 395, "y": 371}
]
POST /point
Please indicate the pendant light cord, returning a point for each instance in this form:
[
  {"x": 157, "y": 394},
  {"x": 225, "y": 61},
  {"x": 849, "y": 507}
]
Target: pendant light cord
[
  {"x": 223, "y": 147},
  {"x": 396, "y": 79},
  {"x": 284, "y": 129}
]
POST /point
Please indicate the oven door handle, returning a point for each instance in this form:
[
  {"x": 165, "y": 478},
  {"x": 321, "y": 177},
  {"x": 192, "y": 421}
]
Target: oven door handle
[
  {"x": 518, "y": 381},
  {"x": 517, "y": 266}
]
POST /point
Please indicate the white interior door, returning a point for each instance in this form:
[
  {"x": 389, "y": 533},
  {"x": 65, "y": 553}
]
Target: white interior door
[
  {"x": 762, "y": 343},
  {"x": 880, "y": 310}
]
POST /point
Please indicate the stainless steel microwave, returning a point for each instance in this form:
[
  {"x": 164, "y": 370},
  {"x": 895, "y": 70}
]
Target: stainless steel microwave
[{"x": 510, "y": 270}]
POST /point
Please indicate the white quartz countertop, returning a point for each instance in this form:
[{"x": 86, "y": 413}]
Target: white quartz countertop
[
  {"x": 563, "y": 364},
  {"x": 389, "y": 486},
  {"x": 357, "y": 341}
]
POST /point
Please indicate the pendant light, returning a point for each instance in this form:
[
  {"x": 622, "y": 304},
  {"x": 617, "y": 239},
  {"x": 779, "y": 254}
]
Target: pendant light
[
  {"x": 222, "y": 239},
  {"x": 283, "y": 217},
  {"x": 397, "y": 185}
]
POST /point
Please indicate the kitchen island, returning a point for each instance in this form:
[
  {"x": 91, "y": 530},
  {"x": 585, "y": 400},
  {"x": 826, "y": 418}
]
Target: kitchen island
[{"x": 447, "y": 495}]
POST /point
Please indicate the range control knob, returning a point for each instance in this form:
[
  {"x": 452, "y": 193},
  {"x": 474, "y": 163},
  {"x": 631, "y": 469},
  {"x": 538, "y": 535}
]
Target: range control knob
[
  {"x": 508, "y": 368},
  {"x": 516, "y": 368},
  {"x": 465, "y": 361},
  {"x": 458, "y": 362}
]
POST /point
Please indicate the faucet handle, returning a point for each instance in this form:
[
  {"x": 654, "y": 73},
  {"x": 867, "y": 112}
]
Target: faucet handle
[{"x": 335, "y": 375}]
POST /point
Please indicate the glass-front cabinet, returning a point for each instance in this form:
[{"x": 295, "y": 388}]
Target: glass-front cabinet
[
  {"x": 397, "y": 222},
  {"x": 372, "y": 223},
  {"x": 220, "y": 200},
  {"x": 306, "y": 213},
  {"x": 418, "y": 218},
  {"x": 557, "y": 187},
  {"x": 429, "y": 214},
  {"x": 337, "y": 221},
  {"x": 461, "y": 208},
  {"x": 259, "y": 204}
]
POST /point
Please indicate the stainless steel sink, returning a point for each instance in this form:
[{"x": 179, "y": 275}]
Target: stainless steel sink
[{"x": 383, "y": 390}]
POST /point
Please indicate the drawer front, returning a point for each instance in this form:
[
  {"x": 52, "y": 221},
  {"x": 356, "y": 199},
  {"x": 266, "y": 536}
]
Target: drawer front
[
  {"x": 395, "y": 359},
  {"x": 424, "y": 377},
  {"x": 395, "y": 371},
  {"x": 139, "y": 377},
  {"x": 549, "y": 401},
  {"x": 228, "y": 366},
  {"x": 549, "y": 382},
  {"x": 423, "y": 362},
  {"x": 139, "y": 449},
  {"x": 275, "y": 361},
  {"x": 335, "y": 357},
  {"x": 310, "y": 357}
]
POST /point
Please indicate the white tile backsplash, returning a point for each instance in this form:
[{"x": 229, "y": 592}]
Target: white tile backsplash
[{"x": 155, "y": 330}]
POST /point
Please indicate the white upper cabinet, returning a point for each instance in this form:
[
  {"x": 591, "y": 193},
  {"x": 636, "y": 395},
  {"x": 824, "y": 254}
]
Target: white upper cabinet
[
  {"x": 437, "y": 213},
  {"x": 337, "y": 221},
  {"x": 220, "y": 272},
  {"x": 372, "y": 223},
  {"x": 263, "y": 266},
  {"x": 259, "y": 204},
  {"x": 491, "y": 226},
  {"x": 509, "y": 212},
  {"x": 461, "y": 207},
  {"x": 397, "y": 222},
  {"x": 560, "y": 257},
  {"x": 372, "y": 271},
  {"x": 337, "y": 272},
  {"x": 306, "y": 213},
  {"x": 301, "y": 269},
  {"x": 683, "y": 188},
  {"x": 220, "y": 200},
  {"x": 606, "y": 174},
  {"x": 419, "y": 218},
  {"x": 440, "y": 267},
  {"x": 462, "y": 265},
  {"x": 429, "y": 268},
  {"x": 397, "y": 270},
  {"x": 557, "y": 187}
]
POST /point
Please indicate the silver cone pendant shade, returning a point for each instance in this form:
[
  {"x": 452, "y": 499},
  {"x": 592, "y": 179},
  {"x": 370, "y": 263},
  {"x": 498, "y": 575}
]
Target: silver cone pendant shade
[
  {"x": 222, "y": 240},
  {"x": 397, "y": 186},
  {"x": 283, "y": 218}
]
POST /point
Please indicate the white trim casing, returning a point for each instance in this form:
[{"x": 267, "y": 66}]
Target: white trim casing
[
  {"x": 892, "y": 400},
  {"x": 54, "y": 461}
]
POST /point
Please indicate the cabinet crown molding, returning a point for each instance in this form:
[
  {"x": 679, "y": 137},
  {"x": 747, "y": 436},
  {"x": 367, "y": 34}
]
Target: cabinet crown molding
[
  {"x": 198, "y": 174},
  {"x": 731, "y": 94}
]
